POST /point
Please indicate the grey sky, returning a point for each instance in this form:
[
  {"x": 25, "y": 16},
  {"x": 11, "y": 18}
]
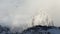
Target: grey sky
[{"x": 27, "y": 8}]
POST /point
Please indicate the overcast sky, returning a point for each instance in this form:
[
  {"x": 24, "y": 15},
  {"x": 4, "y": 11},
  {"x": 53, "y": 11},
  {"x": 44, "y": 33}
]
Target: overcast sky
[{"x": 25, "y": 9}]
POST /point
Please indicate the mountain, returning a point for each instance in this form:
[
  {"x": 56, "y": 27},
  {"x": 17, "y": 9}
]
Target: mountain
[
  {"x": 32, "y": 30},
  {"x": 42, "y": 30}
]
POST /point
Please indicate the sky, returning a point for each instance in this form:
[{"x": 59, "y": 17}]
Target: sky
[{"x": 12, "y": 11}]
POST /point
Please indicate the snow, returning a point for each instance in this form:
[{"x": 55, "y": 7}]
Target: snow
[
  {"x": 42, "y": 31},
  {"x": 32, "y": 30},
  {"x": 54, "y": 31}
]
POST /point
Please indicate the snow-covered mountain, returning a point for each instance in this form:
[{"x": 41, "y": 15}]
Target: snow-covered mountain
[
  {"x": 42, "y": 30},
  {"x": 6, "y": 30},
  {"x": 32, "y": 30}
]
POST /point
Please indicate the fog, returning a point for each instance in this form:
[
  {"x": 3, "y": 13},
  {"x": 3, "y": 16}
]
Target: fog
[{"x": 20, "y": 12}]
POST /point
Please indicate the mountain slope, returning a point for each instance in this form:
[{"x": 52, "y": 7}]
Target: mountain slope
[{"x": 42, "y": 30}]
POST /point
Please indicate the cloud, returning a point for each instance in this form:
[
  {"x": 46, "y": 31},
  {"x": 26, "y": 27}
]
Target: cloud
[{"x": 23, "y": 10}]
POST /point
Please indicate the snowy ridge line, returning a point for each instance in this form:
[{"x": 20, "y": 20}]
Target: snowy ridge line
[
  {"x": 32, "y": 30},
  {"x": 42, "y": 30}
]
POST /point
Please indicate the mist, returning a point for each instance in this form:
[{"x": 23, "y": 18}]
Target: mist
[{"x": 19, "y": 13}]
